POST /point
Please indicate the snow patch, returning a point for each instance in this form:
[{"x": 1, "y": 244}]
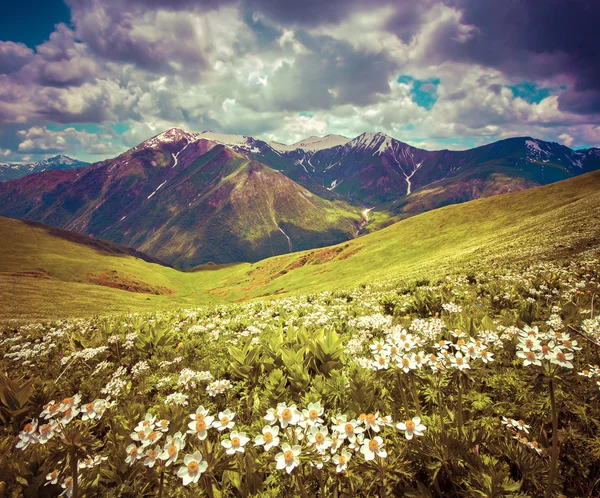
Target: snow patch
[
  {"x": 157, "y": 189},
  {"x": 311, "y": 144}
]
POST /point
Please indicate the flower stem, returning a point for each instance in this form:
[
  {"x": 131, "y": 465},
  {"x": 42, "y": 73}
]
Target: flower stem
[
  {"x": 74, "y": 472},
  {"x": 161, "y": 483},
  {"x": 554, "y": 454},
  {"x": 415, "y": 396},
  {"x": 403, "y": 394},
  {"x": 459, "y": 404}
]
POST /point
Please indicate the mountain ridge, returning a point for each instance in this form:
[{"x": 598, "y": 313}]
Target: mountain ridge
[{"x": 14, "y": 171}]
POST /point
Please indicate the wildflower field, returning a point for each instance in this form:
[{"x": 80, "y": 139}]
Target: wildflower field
[{"x": 481, "y": 385}]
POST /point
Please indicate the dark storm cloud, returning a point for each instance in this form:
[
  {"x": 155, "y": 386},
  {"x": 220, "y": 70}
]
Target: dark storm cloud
[
  {"x": 118, "y": 32},
  {"x": 536, "y": 39}
]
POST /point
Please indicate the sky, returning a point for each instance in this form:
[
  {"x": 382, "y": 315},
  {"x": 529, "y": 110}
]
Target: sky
[{"x": 92, "y": 78}]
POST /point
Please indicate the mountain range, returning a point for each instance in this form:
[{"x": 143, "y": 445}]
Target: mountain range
[
  {"x": 13, "y": 171},
  {"x": 192, "y": 198}
]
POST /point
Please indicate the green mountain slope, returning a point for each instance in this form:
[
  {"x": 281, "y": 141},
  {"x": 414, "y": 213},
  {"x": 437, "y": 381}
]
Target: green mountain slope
[
  {"x": 551, "y": 222},
  {"x": 185, "y": 200}
]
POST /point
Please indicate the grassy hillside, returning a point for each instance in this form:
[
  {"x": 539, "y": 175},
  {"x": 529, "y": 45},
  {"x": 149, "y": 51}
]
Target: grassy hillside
[
  {"x": 545, "y": 222},
  {"x": 49, "y": 273},
  {"x": 542, "y": 223}
]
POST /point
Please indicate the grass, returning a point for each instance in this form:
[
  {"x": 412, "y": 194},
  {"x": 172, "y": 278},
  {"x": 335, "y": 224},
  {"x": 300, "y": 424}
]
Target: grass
[{"x": 548, "y": 222}]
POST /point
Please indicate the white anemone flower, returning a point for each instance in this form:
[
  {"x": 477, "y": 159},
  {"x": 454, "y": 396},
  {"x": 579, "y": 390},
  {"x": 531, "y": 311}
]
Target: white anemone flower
[
  {"x": 412, "y": 427},
  {"x": 235, "y": 443},
  {"x": 289, "y": 458},
  {"x": 268, "y": 439},
  {"x": 341, "y": 460},
  {"x": 193, "y": 467},
  {"x": 224, "y": 420},
  {"x": 372, "y": 448}
]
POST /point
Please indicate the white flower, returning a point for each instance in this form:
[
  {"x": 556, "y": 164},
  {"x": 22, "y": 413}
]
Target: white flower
[
  {"x": 288, "y": 458},
  {"x": 28, "y": 435},
  {"x": 530, "y": 357},
  {"x": 52, "y": 477},
  {"x": 151, "y": 456},
  {"x": 412, "y": 427},
  {"x": 312, "y": 414},
  {"x": 341, "y": 460},
  {"x": 558, "y": 357},
  {"x": 318, "y": 437},
  {"x": 268, "y": 439},
  {"x": 349, "y": 429},
  {"x": 193, "y": 467},
  {"x": 47, "y": 431},
  {"x": 457, "y": 361},
  {"x": 133, "y": 454},
  {"x": 146, "y": 424},
  {"x": 289, "y": 416},
  {"x": 235, "y": 442},
  {"x": 372, "y": 448},
  {"x": 67, "y": 485},
  {"x": 200, "y": 426},
  {"x": 224, "y": 420},
  {"x": 163, "y": 425},
  {"x": 172, "y": 448}
]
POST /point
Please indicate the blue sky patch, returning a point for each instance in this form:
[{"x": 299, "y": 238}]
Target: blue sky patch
[
  {"x": 424, "y": 92},
  {"x": 89, "y": 127},
  {"x": 530, "y": 92}
]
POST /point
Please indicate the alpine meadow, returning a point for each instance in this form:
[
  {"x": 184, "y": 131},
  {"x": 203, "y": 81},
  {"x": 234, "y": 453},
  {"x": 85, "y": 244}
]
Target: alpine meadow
[{"x": 280, "y": 248}]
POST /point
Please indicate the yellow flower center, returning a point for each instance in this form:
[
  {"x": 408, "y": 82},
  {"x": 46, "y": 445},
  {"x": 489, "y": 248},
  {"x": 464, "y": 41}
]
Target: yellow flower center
[
  {"x": 133, "y": 451},
  {"x": 410, "y": 425},
  {"x": 459, "y": 360},
  {"x": 172, "y": 451},
  {"x": 381, "y": 360},
  {"x": 319, "y": 437},
  {"x": 342, "y": 460},
  {"x": 192, "y": 467},
  {"x": 313, "y": 414},
  {"x": 349, "y": 428},
  {"x": 268, "y": 437},
  {"x": 199, "y": 417},
  {"x": 89, "y": 407},
  {"x": 235, "y": 442},
  {"x": 46, "y": 428},
  {"x": 152, "y": 436},
  {"x": 68, "y": 401},
  {"x": 561, "y": 357},
  {"x": 224, "y": 420},
  {"x": 530, "y": 356},
  {"x": 152, "y": 454},
  {"x": 288, "y": 456},
  {"x": 370, "y": 418},
  {"x": 286, "y": 414},
  {"x": 28, "y": 427},
  {"x": 373, "y": 445},
  {"x": 200, "y": 426}
]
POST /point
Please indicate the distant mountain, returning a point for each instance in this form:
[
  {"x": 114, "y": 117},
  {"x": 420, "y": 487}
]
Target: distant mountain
[
  {"x": 193, "y": 198},
  {"x": 375, "y": 169},
  {"x": 12, "y": 171},
  {"x": 186, "y": 200}
]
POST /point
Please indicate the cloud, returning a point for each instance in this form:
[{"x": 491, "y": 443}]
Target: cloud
[
  {"x": 39, "y": 140},
  {"x": 277, "y": 69},
  {"x": 13, "y": 56}
]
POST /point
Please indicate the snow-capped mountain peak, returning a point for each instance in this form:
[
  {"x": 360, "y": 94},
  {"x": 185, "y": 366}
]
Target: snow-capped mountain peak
[
  {"x": 374, "y": 143},
  {"x": 312, "y": 144}
]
